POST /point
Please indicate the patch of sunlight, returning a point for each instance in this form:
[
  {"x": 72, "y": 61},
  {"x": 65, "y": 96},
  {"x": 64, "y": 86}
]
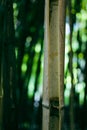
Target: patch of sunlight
[
  {"x": 68, "y": 84},
  {"x": 25, "y": 58},
  {"x": 84, "y": 14},
  {"x": 41, "y": 88},
  {"x": 69, "y": 78},
  {"x": 75, "y": 71},
  {"x": 80, "y": 56},
  {"x": 16, "y": 13},
  {"x": 37, "y": 96},
  {"x": 38, "y": 47},
  {"x": 36, "y": 104},
  {"x": 16, "y": 52},
  {"x": 81, "y": 98},
  {"x": 75, "y": 58},
  {"x": 66, "y": 61},
  {"x": 75, "y": 64},
  {"x": 32, "y": 79},
  {"x": 80, "y": 87},
  {"x": 84, "y": 38},
  {"x": 14, "y": 5},
  {"x": 79, "y": 71},
  {"x": 81, "y": 77},
  {"x": 86, "y": 6},
  {"x": 66, "y": 95},
  {"x": 66, "y": 49},
  {"x": 83, "y": 47},
  {"x": 24, "y": 67},
  {"x": 75, "y": 45},
  {"x": 31, "y": 87},
  {"x": 76, "y": 26},
  {"x": 78, "y": 15},
  {"x": 67, "y": 29},
  {"x": 66, "y": 40},
  {"x": 82, "y": 63},
  {"x": 28, "y": 40}
]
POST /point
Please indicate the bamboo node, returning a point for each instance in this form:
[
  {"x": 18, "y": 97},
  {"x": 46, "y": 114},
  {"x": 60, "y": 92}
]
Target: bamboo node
[
  {"x": 55, "y": 107},
  {"x": 45, "y": 105}
]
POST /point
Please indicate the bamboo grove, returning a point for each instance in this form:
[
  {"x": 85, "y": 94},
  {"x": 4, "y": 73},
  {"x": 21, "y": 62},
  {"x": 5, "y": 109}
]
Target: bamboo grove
[{"x": 43, "y": 65}]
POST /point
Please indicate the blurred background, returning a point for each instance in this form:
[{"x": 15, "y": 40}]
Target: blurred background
[{"x": 21, "y": 64}]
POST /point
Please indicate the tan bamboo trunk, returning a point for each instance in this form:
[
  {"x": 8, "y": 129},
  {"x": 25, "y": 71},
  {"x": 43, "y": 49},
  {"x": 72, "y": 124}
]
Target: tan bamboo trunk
[
  {"x": 61, "y": 54},
  {"x": 53, "y": 54}
]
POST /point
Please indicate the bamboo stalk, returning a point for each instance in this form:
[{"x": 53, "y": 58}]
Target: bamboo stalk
[
  {"x": 45, "y": 125},
  {"x": 72, "y": 125},
  {"x": 1, "y": 73},
  {"x": 53, "y": 66},
  {"x": 61, "y": 54},
  {"x": 1, "y": 97},
  {"x": 9, "y": 67}
]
